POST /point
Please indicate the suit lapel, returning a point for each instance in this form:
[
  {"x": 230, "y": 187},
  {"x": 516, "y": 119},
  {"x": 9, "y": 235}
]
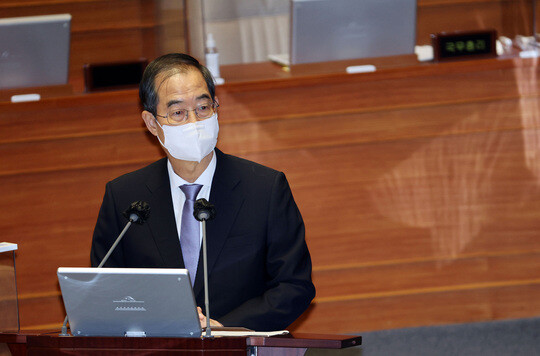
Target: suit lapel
[
  {"x": 162, "y": 222},
  {"x": 227, "y": 204}
]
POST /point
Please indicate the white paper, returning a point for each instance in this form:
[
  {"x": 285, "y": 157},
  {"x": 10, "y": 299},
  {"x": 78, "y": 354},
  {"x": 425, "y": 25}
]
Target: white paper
[
  {"x": 7, "y": 246},
  {"x": 239, "y": 333}
]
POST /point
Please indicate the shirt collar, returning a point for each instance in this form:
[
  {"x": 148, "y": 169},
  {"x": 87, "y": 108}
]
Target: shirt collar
[{"x": 204, "y": 179}]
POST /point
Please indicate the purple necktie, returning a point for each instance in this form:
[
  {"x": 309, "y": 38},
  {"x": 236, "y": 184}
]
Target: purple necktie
[{"x": 189, "y": 232}]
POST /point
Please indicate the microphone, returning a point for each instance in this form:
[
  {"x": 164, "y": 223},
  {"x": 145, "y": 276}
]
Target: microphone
[
  {"x": 138, "y": 212},
  {"x": 203, "y": 211}
]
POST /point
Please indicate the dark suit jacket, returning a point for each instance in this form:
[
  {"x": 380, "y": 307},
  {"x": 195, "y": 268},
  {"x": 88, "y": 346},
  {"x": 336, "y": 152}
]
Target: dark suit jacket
[{"x": 259, "y": 265}]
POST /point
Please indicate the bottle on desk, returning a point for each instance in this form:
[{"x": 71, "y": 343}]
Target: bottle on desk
[{"x": 212, "y": 59}]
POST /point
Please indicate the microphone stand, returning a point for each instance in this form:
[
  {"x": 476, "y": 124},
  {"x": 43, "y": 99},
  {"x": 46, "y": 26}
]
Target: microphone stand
[
  {"x": 137, "y": 212},
  {"x": 204, "y": 211},
  {"x": 64, "y": 325},
  {"x": 205, "y": 267},
  {"x": 132, "y": 219}
]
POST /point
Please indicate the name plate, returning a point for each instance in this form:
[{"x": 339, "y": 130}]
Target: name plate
[{"x": 464, "y": 45}]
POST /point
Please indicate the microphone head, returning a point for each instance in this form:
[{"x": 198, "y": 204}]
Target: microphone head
[
  {"x": 203, "y": 210},
  {"x": 138, "y": 212}
]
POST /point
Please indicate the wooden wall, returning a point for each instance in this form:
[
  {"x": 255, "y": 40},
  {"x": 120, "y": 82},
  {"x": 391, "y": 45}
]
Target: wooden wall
[
  {"x": 419, "y": 185},
  {"x": 419, "y": 188},
  {"x": 508, "y": 17}
]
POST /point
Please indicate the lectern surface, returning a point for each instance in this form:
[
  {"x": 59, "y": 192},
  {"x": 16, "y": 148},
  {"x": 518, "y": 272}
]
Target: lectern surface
[{"x": 51, "y": 343}]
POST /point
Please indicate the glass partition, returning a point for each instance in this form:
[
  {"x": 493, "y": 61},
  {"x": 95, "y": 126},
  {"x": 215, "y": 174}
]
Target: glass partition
[{"x": 9, "y": 317}]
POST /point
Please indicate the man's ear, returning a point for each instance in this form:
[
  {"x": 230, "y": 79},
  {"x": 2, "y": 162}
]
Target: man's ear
[{"x": 150, "y": 122}]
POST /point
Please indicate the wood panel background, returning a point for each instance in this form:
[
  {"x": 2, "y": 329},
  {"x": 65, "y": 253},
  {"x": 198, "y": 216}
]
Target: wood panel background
[
  {"x": 419, "y": 185},
  {"x": 508, "y": 17}
]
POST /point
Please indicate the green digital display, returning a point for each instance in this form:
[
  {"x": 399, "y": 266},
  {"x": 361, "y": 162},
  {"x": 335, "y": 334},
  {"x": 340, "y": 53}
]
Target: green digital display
[{"x": 464, "y": 44}]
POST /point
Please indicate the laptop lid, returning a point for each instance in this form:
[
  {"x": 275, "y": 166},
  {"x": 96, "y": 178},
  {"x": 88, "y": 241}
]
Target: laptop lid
[
  {"x": 129, "y": 302},
  {"x": 34, "y": 51},
  {"x": 330, "y": 30}
]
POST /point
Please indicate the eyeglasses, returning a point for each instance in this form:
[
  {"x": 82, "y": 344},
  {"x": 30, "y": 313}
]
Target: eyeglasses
[{"x": 177, "y": 116}]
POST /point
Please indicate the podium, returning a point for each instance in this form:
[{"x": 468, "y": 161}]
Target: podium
[
  {"x": 9, "y": 317},
  {"x": 52, "y": 344}
]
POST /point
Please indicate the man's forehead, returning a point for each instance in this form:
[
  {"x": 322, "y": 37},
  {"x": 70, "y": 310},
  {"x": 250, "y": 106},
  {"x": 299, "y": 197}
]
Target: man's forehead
[
  {"x": 181, "y": 85},
  {"x": 187, "y": 77}
]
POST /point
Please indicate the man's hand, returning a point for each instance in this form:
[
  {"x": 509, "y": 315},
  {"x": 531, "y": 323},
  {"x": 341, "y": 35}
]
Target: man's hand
[{"x": 202, "y": 319}]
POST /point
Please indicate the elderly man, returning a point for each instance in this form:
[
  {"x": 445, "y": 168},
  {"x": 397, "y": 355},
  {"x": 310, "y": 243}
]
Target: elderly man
[{"x": 258, "y": 260}]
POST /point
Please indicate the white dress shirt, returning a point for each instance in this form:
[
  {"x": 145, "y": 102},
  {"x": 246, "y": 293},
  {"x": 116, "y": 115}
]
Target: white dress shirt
[{"x": 178, "y": 196}]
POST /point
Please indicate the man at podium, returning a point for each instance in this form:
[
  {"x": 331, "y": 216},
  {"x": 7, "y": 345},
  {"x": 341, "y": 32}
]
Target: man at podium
[{"x": 258, "y": 261}]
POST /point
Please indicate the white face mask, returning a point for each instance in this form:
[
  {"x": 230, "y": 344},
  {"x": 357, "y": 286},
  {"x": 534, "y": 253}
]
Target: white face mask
[{"x": 193, "y": 141}]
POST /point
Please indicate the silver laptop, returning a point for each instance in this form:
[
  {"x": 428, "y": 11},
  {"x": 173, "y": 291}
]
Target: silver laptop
[
  {"x": 330, "y": 30},
  {"x": 149, "y": 302},
  {"x": 34, "y": 51}
]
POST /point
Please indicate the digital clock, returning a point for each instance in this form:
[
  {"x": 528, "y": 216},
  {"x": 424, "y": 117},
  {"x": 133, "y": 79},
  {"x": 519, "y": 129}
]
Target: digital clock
[{"x": 462, "y": 45}]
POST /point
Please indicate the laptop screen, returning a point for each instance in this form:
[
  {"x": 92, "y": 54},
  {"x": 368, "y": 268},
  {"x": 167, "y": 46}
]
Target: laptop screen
[
  {"x": 34, "y": 51},
  {"x": 129, "y": 302},
  {"x": 329, "y": 30}
]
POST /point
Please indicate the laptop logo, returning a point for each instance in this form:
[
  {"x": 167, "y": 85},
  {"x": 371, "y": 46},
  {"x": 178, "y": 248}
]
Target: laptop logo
[{"x": 130, "y": 304}]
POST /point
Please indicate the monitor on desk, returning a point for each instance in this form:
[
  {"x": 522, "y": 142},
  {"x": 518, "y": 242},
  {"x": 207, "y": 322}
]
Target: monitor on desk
[
  {"x": 34, "y": 51},
  {"x": 153, "y": 302},
  {"x": 330, "y": 30}
]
